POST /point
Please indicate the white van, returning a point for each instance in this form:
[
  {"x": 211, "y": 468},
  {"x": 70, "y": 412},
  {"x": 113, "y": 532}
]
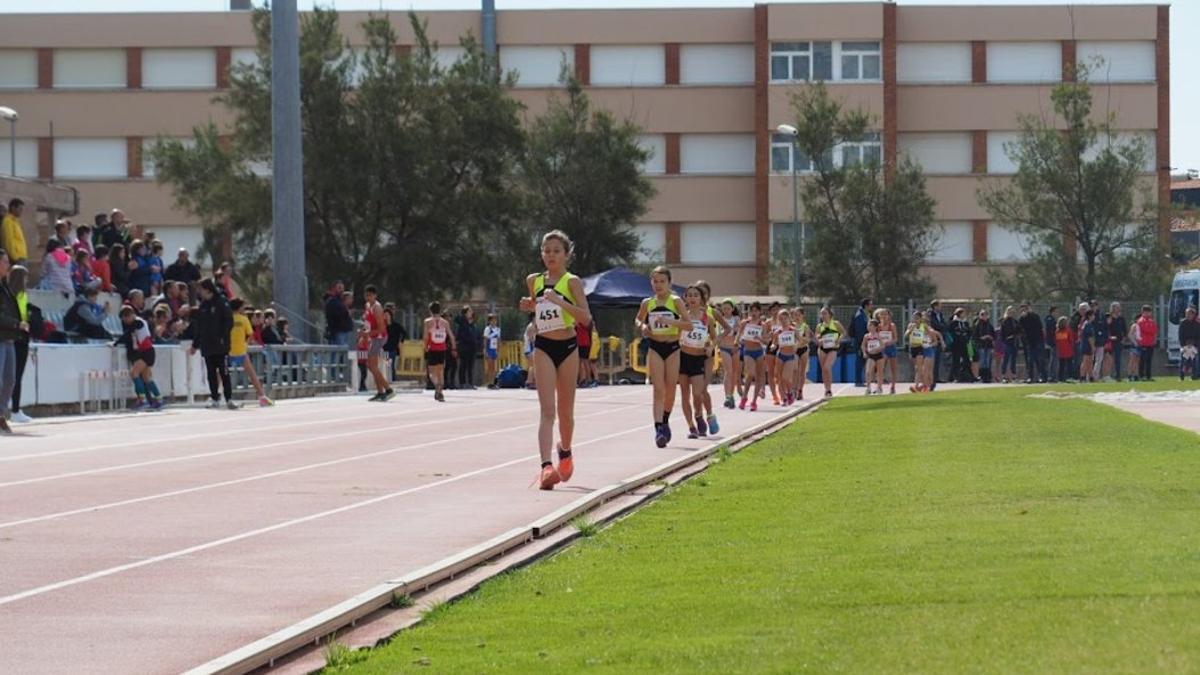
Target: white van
[{"x": 1185, "y": 292}]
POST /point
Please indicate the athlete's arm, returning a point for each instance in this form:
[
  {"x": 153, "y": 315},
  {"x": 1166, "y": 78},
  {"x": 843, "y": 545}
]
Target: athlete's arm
[
  {"x": 640, "y": 320},
  {"x": 579, "y": 310},
  {"x": 528, "y": 303}
]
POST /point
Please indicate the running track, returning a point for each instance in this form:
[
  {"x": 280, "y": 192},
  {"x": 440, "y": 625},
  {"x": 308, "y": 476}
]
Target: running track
[{"x": 153, "y": 543}]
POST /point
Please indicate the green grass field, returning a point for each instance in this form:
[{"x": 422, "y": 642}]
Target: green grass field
[{"x": 976, "y": 531}]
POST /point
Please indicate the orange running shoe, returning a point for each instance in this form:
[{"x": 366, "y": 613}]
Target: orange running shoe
[
  {"x": 566, "y": 465},
  {"x": 549, "y": 478}
]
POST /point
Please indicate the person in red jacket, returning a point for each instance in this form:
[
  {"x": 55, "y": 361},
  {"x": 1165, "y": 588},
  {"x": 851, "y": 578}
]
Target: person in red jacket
[
  {"x": 1064, "y": 349},
  {"x": 1146, "y": 337}
]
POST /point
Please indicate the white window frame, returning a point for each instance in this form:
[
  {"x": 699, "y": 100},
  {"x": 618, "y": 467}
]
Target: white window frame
[
  {"x": 843, "y": 52},
  {"x": 872, "y": 139}
]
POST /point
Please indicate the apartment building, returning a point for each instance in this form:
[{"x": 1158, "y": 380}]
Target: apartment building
[{"x": 944, "y": 83}]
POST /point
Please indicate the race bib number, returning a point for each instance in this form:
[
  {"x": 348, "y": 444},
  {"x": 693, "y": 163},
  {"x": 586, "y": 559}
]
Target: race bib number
[
  {"x": 697, "y": 337},
  {"x": 873, "y": 346},
  {"x": 829, "y": 340},
  {"x": 927, "y": 341},
  {"x": 885, "y": 335},
  {"x": 493, "y": 343},
  {"x": 787, "y": 339},
  {"x": 437, "y": 335},
  {"x": 549, "y": 316},
  {"x": 660, "y": 322},
  {"x": 918, "y": 335},
  {"x": 752, "y": 334}
]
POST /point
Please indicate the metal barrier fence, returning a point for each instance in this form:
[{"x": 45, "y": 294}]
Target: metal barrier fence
[{"x": 284, "y": 368}]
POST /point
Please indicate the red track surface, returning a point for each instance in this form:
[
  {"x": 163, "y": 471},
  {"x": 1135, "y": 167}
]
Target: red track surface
[{"x": 153, "y": 543}]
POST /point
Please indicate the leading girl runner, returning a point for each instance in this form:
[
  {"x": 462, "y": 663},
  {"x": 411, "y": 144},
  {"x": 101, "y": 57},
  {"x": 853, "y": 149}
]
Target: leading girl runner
[
  {"x": 829, "y": 339},
  {"x": 557, "y": 301}
]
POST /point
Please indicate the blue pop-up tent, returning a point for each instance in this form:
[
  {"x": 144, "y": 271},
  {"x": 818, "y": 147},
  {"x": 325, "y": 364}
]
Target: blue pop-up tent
[{"x": 619, "y": 287}]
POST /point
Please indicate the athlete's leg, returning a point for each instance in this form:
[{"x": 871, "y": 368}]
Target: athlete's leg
[
  {"x": 543, "y": 365},
  {"x": 566, "y": 376}
]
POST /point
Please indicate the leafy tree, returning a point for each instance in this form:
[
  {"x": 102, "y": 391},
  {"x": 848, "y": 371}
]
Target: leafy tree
[
  {"x": 870, "y": 234},
  {"x": 408, "y": 165},
  {"x": 1078, "y": 186},
  {"x": 582, "y": 174}
]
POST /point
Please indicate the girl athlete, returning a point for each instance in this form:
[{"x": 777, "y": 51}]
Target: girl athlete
[
  {"x": 694, "y": 344},
  {"x": 804, "y": 336},
  {"x": 439, "y": 340},
  {"x": 717, "y": 327},
  {"x": 872, "y": 353},
  {"x": 770, "y": 363},
  {"x": 731, "y": 364},
  {"x": 887, "y": 333},
  {"x": 915, "y": 335},
  {"x": 786, "y": 339},
  {"x": 659, "y": 320},
  {"x": 829, "y": 338},
  {"x": 751, "y": 335},
  {"x": 557, "y": 300}
]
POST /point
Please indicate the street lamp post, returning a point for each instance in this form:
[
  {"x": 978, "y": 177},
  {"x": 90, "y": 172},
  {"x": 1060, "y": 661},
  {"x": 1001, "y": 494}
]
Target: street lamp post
[
  {"x": 12, "y": 117},
  {"x": 797, "y": 240}
]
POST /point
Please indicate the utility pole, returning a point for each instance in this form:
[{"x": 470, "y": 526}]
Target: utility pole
[{"x": 287, "y": 183}]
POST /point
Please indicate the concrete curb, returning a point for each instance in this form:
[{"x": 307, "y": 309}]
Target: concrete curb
[{"x": 265, "y": 651}]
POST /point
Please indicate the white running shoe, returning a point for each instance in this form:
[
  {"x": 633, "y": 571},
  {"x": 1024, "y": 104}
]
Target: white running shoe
[
  {"x": 21, "y": 418},
  {"x": 213, "y": 405}
]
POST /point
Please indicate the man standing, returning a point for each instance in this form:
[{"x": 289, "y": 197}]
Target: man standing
[
  {"x": 937, "y": 321},
  {"x": 1033, "y": 330},
  {"x": 339, "y": 327},
  {"x": 1189, "y": 345},
  {"x": 183, "y": 269},
  {"x": 12, "y": 235},
  {"x": 858, "y": 330},
  {"x": 376, "y": 330},
  {"x": 12, "y": 328},
  {"x": 1147, "y": 339},
  {"x": 1049, "y": 327},
  {"x": 1118, "y": 329}
]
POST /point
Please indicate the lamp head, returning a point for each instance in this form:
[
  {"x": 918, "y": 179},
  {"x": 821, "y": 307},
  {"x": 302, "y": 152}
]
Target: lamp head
[
  {"x": 9, "y": 114},
  {"x": 787, "y": 129}
]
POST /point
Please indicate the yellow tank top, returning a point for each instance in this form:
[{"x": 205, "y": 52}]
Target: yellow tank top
[
  {"x": 657, "y": 314},
  {"x": 549, "y": 316}
]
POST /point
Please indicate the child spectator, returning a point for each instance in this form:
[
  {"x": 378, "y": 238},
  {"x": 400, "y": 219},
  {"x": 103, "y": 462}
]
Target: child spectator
[
  {"x": 156, "y": 268},
  {"x": 239, "y": 337},
  {"x": 1064, "y": 348},
  {"x": 81, "y": 273},
  {"x": 256, "y": 322},
  {"x": 1146, "y": 338},
  {"x": 491, "y": 350},
  {"x": 139, "y": 349},
  {"x": 83, "y": 241},
  {"x": 101, "y": 269},
  {"x": 139, "y": 267}
]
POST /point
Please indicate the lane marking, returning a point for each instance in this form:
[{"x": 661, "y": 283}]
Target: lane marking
[
  {"x": 273, "y": 474},
  {"x": 100, "y": 574}
]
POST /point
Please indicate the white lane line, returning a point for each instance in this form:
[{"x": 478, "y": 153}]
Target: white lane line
[
  {"x": 274, "y": 474},
  {"x": 100, "y": 574},
  {"x": 381, "y": 414},
  {"x": 263, "y": 446}
]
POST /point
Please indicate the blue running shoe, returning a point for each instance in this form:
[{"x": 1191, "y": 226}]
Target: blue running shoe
[
  {"x": 713, "y": 427},
  {"x": 660, "y": 436}
]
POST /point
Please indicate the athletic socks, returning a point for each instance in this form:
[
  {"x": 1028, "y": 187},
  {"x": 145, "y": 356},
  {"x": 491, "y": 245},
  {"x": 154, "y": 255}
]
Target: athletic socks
[
  {"x": 153, "y": 388},
  {"x": 139, "y": 388}
]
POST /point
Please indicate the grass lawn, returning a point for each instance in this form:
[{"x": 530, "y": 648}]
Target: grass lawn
[{"x": 974, "y": 531}]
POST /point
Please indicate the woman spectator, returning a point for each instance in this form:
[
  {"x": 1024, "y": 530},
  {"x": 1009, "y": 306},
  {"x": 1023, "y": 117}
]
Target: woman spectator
[
  {"x": 1189, "y": 345},
  {"x": 1146, "y": 340},
  {"x": 1010, "y": 335},
  {"x": 960, "y": 330},
  {"x": 467, "y": 336},
  {"x": 984, "y": 336},
  {"x": 139, "y": 267},
  {"x": 56, "y": 269},
  {"x": 12, "y": 328},
  {"x": 119, "y": 269},
  {"x": 212, "y": 323}
]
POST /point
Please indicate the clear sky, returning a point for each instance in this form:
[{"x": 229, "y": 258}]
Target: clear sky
[{"x": 1185, "y": 48}]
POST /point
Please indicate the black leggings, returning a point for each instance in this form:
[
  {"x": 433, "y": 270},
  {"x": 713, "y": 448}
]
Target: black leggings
[
  {"x": 1064, "y": 369},
  {"x": 466, "y": 368},
  {"x": 1145, "y": 365},
  {"x": 22, "y": 349},
  {"x": 218, "y": 367}
]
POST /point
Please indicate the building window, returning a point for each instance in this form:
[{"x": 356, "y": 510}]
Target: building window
[
  {"x": 89, "y": 68},
  {"x": 860, "y": 61},
  {"x": 628, "y": 66},
  {"x": 868, "y": 151},
  {"x": 716, "y": 153},
  {"x": 18, "y": 69},
  {"x": 652, "y": 243},
  {"x": 783, "y": 242},
  {"x": 717, "y": 243},
  {"x": 179, "y": 68},
  {"x": 716, "y": 64},
  {"x": 783, "y": 152},
  {"x": 94, "y": 158},
  {"x": 933, "y": 62},
  {"x": 955, "y": 243},
  {"x": 656, "y": 145},
  {"x": 801, "y": 61},
  {"x": 537, "y": 66}
]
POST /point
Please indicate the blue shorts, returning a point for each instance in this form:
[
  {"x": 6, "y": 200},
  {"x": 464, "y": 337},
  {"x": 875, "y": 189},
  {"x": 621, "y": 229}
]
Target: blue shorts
[
  {"x": 929, "y": 352},
  {"x": 784, "y": 358},
  {"x": 753, "y": 353},
  {"x": 491, "y": 354},
  {"x": 890, "y": 351},
  {"x": 237, "y": 361}
]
